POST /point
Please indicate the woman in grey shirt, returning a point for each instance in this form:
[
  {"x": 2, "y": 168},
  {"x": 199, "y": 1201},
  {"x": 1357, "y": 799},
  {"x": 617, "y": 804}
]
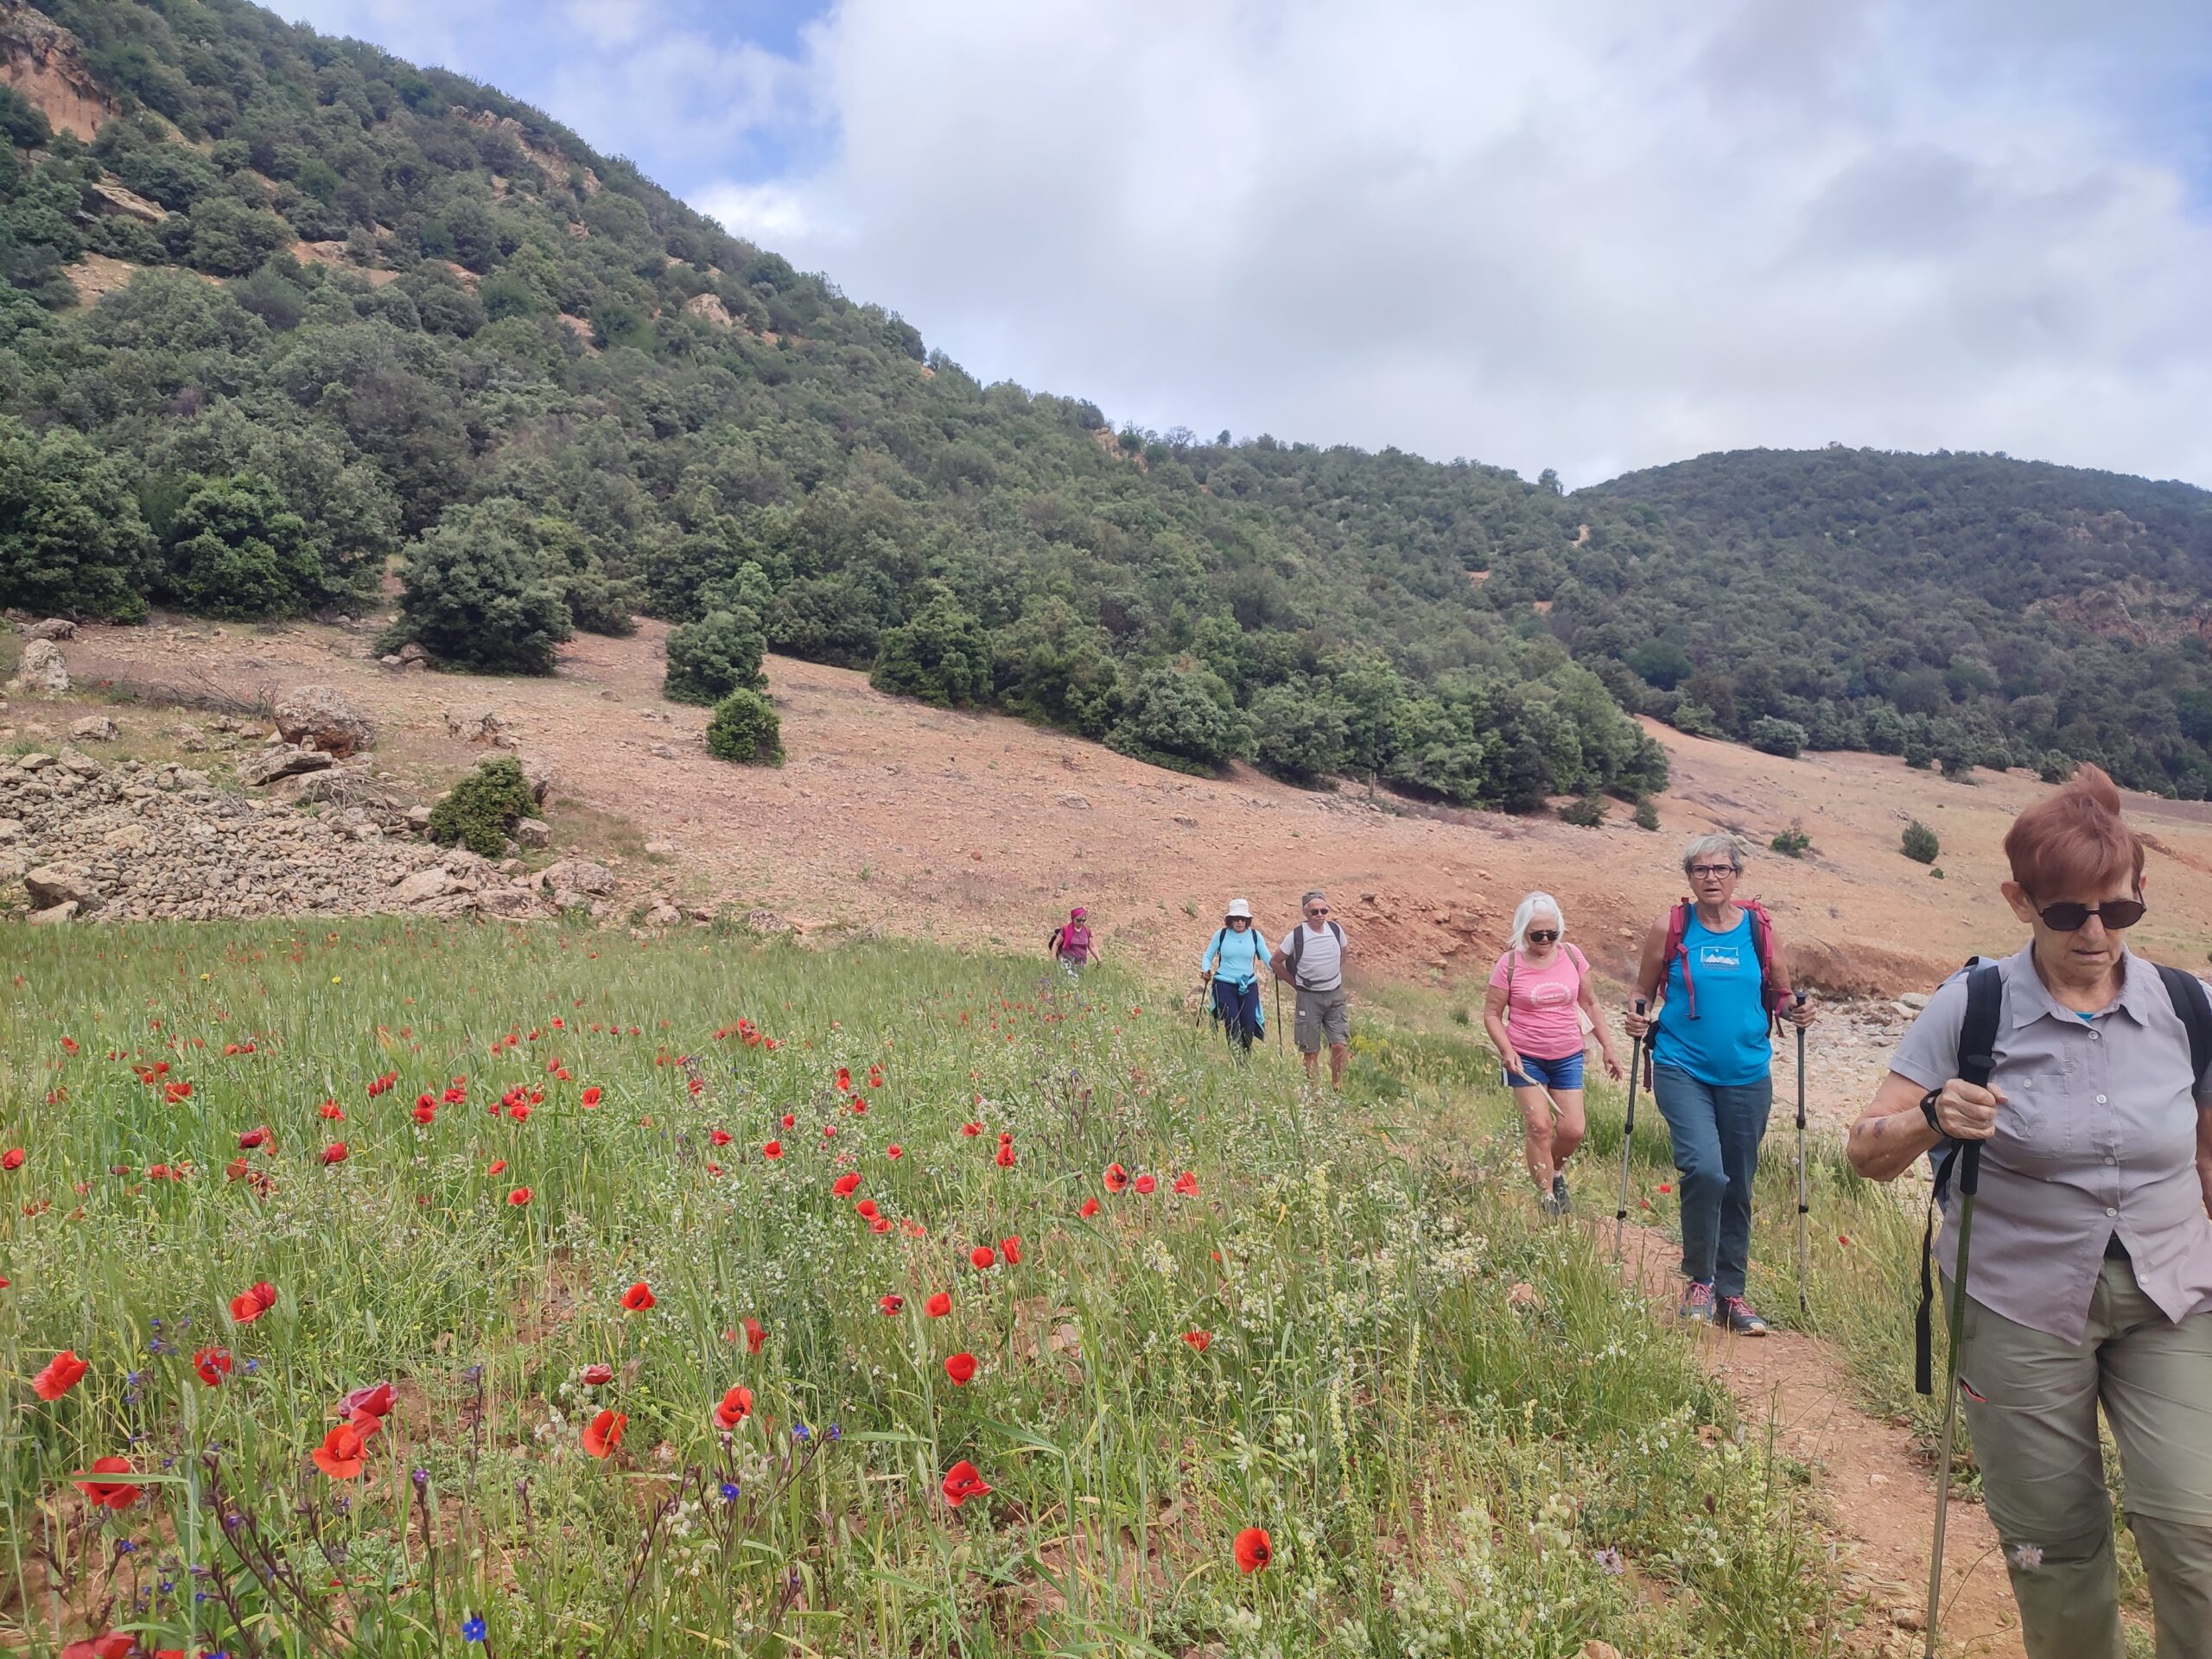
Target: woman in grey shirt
[{"x": 2091, "y": 1277}]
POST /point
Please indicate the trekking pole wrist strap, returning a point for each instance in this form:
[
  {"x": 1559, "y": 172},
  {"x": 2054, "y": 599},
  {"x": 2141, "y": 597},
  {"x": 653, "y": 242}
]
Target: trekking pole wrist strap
[{"x": 1927, "y": 1109}]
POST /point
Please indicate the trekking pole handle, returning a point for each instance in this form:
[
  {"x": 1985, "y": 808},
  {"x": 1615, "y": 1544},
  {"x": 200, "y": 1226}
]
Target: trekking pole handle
[{"x": 1970, "y": 1168}]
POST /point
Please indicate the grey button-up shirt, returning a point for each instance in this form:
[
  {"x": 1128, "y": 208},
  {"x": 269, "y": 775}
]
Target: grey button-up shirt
[{"x": 2097, "y": 1136}]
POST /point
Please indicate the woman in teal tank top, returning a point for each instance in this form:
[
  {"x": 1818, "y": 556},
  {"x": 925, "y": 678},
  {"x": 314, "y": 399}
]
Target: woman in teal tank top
[{"x": 1719, "y": 991}]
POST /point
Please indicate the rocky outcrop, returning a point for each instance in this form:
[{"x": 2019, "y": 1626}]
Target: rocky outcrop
[
  {"x": 93, "y": 729},
  {"x": 44, "y": 63},
  {"x": 55, "y": 627},
  {"x": 321, "y": 717},
  {"x": 281, "y": 760},
  {"x": 43, "y": 672}
]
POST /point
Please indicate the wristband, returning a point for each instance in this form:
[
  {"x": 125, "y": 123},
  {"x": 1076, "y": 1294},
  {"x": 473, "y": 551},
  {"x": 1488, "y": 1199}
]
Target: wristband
[{"x": 1928, "y": 1110}]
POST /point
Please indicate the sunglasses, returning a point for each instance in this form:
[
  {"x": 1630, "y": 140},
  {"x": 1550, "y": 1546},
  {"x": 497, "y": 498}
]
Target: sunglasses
[
  {"x": 2067, "y": 917},
  {"x": 1317, "y": 909},
  {"x": 1540, "y": 936}
]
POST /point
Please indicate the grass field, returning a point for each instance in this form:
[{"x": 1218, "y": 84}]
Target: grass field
[{"x": 1336, "y": 1321}]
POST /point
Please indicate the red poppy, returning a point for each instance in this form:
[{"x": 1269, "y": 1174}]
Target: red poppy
[
  {"x": 963, "y": 1482},
  {"x": 376, "y": 1401},
  {"x": 332, "y": 1110},
  {"x": 604, "y": 1432},
  {"x": 1011, "y": 1249},
  {"x": 333, "y": 1154},
  {"x": 1005, "y": 1155},
  {"x": 63, "y": 1373},
  {"x": 721, "y": 1137},
  {"x": 496, "y": 1166},
  {"x": 519, "y": 1111},
  {"x": 879, "y": 1225},
  {"x": 424, "y": 1112},
  {"x": 736, "y": 1406},
  {"x": 1144, "y": 1184},
  {"x": 212, "y": 1365},
  {"x": 249, "y": 1138},
  {"x": 1843, "y": 1239},
  {"x": 108, "y": 1494},
  {"x": 961, "y": 1368},
  {"x": 340, "y": 1456},
  {"x": 866, "y": 1209},
  {"x": 892, "y": 1303},
  {"x": 68, "y": 1044},
  {"x": 846, "y": 1184},
  {"x": 755, "y": 1334},
  {"x": 939, "y": 1304},
  {"x": 773, "y": 1149},
  {"x": 12, "y": 1158},
  {"x": 894, "y": 1152},
  {"x": 593, "y": 1376},
  {"x": 971, "y": 1128},
  {"x": 638, "y": 1298},
  {"x": 983, "y": 1258},
  {"x": 1199, "y": 1339},
  {"x": 791, "y": 1120},
  {"x": 1254, "y": 1549},
  {"x": 1117, "y": 1178},
  {"x": 1187, "y": 1183},
  {"x": 874, "y": 1074},
  {"x": 520, "y": 1196},
  {"x": 590, "y": 1097},
  {"x": 844, "y": 1081},
  {"x": 177, "y": 1091},
  {"x": 860, "y": 1107},
  {"x": 116, "y": 1644},
  {"x": 250, "y": 1305},
  {"x": 1666, "y": 1187}
]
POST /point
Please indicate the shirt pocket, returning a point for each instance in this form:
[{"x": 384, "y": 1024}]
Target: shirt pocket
[{"x": 2038, "y": 1124}]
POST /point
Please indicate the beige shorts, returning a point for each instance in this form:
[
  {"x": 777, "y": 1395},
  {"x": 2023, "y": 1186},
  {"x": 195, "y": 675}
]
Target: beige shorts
[{"x": 1322, "y": 1015}]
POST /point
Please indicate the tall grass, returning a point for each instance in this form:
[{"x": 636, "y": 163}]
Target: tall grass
[{"x": 1462, "y": 1435}]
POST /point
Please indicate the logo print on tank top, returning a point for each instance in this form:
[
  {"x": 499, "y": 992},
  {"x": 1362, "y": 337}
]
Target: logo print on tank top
[{"x": 1722, "y": 957}]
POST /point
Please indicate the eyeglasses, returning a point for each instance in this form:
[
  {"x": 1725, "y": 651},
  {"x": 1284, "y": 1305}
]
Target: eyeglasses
[
  {"x": 2067, "y": 917},
  {"x": 1240, "y": 921},
  {"x": 1716, "y": 871},
  {"x": 1542, "y": 936}
]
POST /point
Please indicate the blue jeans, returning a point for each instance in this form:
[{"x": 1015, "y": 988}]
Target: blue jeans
[
  {"x": 1716, "y": 1131},
  {"x": 1237, "y": 1007},
  {"x": 1547, "y": 1074}
]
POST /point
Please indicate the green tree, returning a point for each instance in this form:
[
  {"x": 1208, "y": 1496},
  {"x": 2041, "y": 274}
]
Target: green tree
[
  {"x": 1921, "y": 845},
  {"x": 233, "y": 548},
  {"x": 1182, "y": 718},
  {"x": 1296, "y": 734},
  {"x": 718, "y": 654},
  {"x": 942, "y": 656},
  {"x": 1049, "y": 667},
  {"x": 1783, "y": 737},
  {"x": 744, "y": 729},
  {"x": 475, "y": 596},
  {"x": 72, "y": 538}
]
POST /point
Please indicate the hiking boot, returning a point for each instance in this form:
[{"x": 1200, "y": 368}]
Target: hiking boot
[
  {"x": 1548, "y": 1206},
  {"x": 1737, "y": 1314},
  {"x": 1697, "y": 1303},
  {"x": 1561, "y": 1203}
]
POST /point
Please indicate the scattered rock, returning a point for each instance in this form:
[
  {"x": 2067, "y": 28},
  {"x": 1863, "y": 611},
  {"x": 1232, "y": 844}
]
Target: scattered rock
[
  {"x": 660, "y": 849},
  {"x": 1913, "y": 1000},
  {"x": 533, "y": 832},
  {"x": 1593, "y": 1649},
  {"x": 1188, "y": 823},
  {"x": 422, "y": 885},
  {"x": 94, "y": 728},
  {"x": 663, "y": 915},
  {"x": 662, "y": 751},
  {"x": 54, "y": 915},
  {"x": 43, "y": 672},
  {"x": 418, "y": 818},
  {"x": 538, "y": 775},
  {"x": 577, "y": 875},
  {"x": 392, "y": 659},
  {"x": 765, "y": 921},
  {"x": 1071, "y": 799},
  {"x": 476, "y": 725},
  {"x": 50, "y": 885},
  {"x": 193, "y": 743},
  {"x": 410, "y": 652},
  {"x": 321, "y": 717},
  {"x": 12, "y": 830},
  {"x": 76, "y": 760},
  {"x": 55, "y": 627},
  {"x": 283, "y": 761}
]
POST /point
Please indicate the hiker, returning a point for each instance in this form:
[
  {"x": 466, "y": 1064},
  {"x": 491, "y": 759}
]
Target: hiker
[
  {"x": 1230, "y": 966},
  {"x": 2089, "y": 1274},
  {"x": 1716, "y": 969},
  {"x": 1312, "y": 961},
  {"x": 1070, "y": 943},
  {"x": 1538, "y": 993}
]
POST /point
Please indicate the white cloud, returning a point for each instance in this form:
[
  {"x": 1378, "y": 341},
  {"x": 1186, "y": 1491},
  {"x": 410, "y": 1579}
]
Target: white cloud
[{"x": 1595, "y": 234}]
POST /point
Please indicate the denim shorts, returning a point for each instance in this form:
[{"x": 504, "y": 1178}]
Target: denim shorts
[{"x": 1549, "y": 1074}]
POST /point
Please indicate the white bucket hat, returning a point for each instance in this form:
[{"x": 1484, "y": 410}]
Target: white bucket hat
[{"x": 1239, "y": 907}]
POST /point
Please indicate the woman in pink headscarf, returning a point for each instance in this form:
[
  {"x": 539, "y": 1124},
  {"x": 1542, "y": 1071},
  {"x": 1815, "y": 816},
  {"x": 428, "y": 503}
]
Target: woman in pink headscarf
[{"x": 1070, "y": 943}]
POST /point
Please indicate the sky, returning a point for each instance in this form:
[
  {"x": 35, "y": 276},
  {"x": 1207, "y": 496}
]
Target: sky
[{"x": 1591, "y": 235}]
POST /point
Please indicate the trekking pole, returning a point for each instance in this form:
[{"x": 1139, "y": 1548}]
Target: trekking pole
[
  {"x": 1279, "y": 1048},
  {"x": 1627, "y": 1136},
  {"x": 1801, "y": 1160},
  {"x": 1969, "y": 1179}
]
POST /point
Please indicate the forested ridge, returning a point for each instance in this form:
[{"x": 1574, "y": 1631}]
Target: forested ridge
[{"x": 382, "y": 316}]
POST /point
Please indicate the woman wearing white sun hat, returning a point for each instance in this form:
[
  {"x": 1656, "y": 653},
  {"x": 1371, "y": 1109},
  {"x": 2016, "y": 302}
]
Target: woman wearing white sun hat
[{"x": 1232, "y": 963}]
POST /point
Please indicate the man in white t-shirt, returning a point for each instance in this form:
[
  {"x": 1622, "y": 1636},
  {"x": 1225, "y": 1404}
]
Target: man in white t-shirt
[{"x": 1312, "y": 960}]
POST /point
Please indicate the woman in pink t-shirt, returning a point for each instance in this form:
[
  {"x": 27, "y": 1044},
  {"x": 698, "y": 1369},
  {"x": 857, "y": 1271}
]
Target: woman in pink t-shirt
[{"x": 1538, "y": 994}]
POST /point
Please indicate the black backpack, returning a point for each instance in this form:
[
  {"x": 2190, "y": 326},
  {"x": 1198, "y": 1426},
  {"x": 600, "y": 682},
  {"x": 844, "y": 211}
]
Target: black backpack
[
  {"x": 1295, "y": 947},
  {"x": 1977, "y": 1060}
]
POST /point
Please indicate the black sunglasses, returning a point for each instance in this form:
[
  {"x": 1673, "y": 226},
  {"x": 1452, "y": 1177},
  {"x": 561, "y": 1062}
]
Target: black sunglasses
[
  {"x": 1541, "y": 936},
  {"x": 2067, "y": 917}
]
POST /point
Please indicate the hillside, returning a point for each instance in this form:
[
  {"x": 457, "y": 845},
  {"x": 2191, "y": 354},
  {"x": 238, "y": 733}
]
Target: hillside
[{"x": 282, "y": 312}]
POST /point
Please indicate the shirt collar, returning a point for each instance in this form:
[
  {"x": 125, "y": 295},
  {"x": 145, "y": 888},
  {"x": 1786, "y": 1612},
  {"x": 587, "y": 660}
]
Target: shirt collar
[{"x": 2031, "y": 1000}]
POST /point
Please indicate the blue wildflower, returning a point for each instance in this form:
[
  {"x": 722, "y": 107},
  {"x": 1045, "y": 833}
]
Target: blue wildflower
[
  {"x": 472, "y": 1629},
  {"x": 730, "y": 1490}
]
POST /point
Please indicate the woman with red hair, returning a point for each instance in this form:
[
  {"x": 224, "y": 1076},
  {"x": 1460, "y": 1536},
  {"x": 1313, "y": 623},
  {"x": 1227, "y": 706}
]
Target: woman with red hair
[{"x": 2091, "y": 1276}]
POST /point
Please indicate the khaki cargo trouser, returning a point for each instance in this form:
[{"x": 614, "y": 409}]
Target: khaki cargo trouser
[{"x": 2031, "y": 1401}]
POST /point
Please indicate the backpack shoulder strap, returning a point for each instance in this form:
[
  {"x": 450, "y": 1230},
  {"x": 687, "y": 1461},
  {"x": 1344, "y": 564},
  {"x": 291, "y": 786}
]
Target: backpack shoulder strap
[
  {"x": 1977, "y": 1060},
  {"x": 1295, "y": 946},
  {"x": 1340, "y": 932},
  {"x": 1582, "y": 962},
  {"x": 2186, "y": 992},
  {"x": 1678, "y": 925}
]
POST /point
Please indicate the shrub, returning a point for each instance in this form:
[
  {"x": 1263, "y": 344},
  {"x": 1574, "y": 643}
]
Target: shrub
[
  {"x": 477, "y": 597},
  {"x": 1920, "y": 843},
  {"x": 481, "y": 811},
  {"x": 1783, "y": 737},
  {"x": 1588, "y": 813},
  {"x": 1647, "y": 815},
  {"x": 744, "y": 729},
  {"x": 1297, "y": 735},
  {"x": 942, "y": 656},
  {"x": 1184, "y": 719},
  {"x": 1793, "y": 841},
  {"x": 718, "y": 654}
]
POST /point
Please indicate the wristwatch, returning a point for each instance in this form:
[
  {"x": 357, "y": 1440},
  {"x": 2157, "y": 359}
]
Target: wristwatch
[{"x": 1928, "y": 1110}]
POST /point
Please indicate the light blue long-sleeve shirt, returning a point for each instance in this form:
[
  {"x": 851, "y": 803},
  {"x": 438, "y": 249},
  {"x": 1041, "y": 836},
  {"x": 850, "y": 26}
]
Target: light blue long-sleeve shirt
[{"x": 1240, "y": 956}]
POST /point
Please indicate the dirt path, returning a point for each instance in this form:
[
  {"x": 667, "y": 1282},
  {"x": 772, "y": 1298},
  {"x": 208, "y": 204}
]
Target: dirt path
[{"x": 1880, "y": 1496}]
